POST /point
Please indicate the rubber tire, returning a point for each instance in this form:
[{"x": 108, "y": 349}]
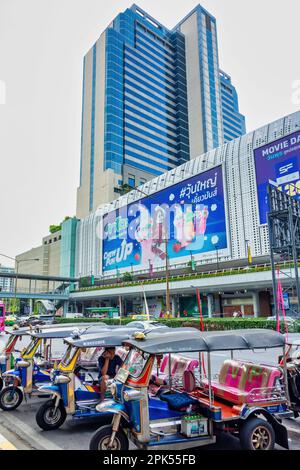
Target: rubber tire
[
  {"x": 1, "y": 383},
  {"x": 105, "y": 431},
  {"x": 39, "y": 417},
  {"x": 5, "y": 390},
  {"x": 247, "y": 430}
]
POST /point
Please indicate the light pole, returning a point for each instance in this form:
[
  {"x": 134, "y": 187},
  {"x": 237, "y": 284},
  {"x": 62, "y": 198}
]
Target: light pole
[
  {"x": 168, "y": 305},
  {"x": 247, "y": 250},
  {"x": 217, "y": 250}
]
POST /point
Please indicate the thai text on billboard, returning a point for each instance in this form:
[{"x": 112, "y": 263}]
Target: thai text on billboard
[
  {"x": 277, "y": 164},
  {"x": 187, "y": 218}
]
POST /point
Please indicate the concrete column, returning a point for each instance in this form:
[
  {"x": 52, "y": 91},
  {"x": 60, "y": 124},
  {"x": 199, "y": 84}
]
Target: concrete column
[
  {"x": 66, "y": 307},
  {"x": 210, "y": 305},
  {"x": 217, "y": 303},
  {"x": 174, "y": 305},
  {"x": 30, "y": 306},
  {"x": 256, "y": 305}
]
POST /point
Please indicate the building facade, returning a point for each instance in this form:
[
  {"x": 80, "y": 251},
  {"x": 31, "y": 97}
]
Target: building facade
[
  {"x": 242, "y": 197},
  {"x": 233, "y": 121},
  {"x": 42, "y": 260},
  {"x": 245, "y": 161},
  {"x": 6, "y": 283},
  {"x": 151, "y": 101}
]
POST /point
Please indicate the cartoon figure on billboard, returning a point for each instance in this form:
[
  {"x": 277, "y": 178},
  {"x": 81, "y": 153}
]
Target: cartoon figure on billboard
[
  {"x": 159, "y": 233},
  {"x": 201, "y": 216},
  {"x": 143, "y": 235},
  {"x": 182, "y": 234}
]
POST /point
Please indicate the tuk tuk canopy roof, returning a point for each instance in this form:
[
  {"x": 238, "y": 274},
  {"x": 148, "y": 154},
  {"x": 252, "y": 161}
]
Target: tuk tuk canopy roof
[
  {"x": 19, "y": 331},
  {"x": 208, "y": 341},
  {"x": 67, "y": 331},
  {"x": 101, "y": 340}
]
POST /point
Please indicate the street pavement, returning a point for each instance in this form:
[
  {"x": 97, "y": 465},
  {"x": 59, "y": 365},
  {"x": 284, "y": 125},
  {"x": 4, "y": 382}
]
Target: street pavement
[{"x": 19, "y": 430}]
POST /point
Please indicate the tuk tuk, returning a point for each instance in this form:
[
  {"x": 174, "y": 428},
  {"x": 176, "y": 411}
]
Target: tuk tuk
[
  {"x": 2, "y": 316},
  {"x": 292, "y": 357},
  {"x": 35, "y": 362},
  {"x": 6, "y": 355},
  {"x": 246, "y": 399},
  {"x": 74, "y": 386}
]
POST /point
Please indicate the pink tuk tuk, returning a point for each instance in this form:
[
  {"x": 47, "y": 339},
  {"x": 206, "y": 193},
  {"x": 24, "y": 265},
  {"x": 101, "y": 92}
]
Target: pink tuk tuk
[{"x": 2, "y": 316}]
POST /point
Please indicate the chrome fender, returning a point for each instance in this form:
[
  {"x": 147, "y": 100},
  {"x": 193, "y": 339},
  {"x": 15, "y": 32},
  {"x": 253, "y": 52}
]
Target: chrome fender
[
  {"x": 53, "y": 389},
  {"x": 12, "y": 373},
  {"x": 110, "y": 406}
]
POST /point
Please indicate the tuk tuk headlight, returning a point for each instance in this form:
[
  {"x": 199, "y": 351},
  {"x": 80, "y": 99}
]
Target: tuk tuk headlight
[
  {"x": 112, "y": 388},
  {"x": 3, "y": 359},
  {"x": 21, "y": 363},
  {"x": 62, "y": 379},
  {"x": 130, "y": 395}
]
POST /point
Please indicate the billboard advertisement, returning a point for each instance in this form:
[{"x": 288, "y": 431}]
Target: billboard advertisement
[
  {"x": 187, "y": 219},
  {"x": 278, "y": 164}
]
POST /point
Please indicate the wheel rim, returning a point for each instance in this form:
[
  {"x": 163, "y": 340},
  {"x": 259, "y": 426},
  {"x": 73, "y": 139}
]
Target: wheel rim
[
  {"x": 103, "y": 444},
  {"x": 10, "y": 398},
  {"x": 51, "y": 416},
  {"x": 261, "y": 438}
]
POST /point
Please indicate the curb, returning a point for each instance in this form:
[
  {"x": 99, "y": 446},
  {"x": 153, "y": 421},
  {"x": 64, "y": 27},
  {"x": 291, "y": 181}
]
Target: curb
[{"x": 5, "y": 444}]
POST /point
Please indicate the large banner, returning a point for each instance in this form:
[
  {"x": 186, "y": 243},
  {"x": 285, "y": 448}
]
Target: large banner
[
  {"x": 278, "y": 164},
  {"x": 187, "y": 218}
]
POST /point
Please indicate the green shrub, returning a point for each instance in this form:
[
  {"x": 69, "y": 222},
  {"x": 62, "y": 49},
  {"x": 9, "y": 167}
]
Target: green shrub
[{"x": 210, "y": 324}]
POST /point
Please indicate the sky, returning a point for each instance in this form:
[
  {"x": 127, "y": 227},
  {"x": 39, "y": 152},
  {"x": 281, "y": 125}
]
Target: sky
[{"x": 42, "y": 44}]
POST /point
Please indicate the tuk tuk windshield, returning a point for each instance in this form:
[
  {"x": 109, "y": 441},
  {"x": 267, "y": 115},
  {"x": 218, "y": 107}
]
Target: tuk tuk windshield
[
  {"x": 68, "y": 356},
  {"x": 32, "y": 346},
  {"x": 135, "y": 362},
  {"x": 10, "y": 342},
  {"x": 295, "y": 351}
]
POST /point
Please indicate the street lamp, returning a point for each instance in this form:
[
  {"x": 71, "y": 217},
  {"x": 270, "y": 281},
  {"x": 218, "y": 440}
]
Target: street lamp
[
  {"x": 217, "y": 251},
  {"x": 247, "y": 249}
]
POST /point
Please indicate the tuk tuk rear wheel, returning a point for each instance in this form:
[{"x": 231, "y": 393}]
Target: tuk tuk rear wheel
[
  {"x": 101, "y": 438},
  {"x": 10, "y": 398},
  {"x": 257, "y": 434},
  {"x": 48, "y": 418}
]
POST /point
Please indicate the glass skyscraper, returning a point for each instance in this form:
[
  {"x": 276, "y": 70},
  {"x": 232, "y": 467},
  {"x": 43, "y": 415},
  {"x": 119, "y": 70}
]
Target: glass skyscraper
[
  {"x": 151, "y": 101},
  {"x": 233, "y": 121}
]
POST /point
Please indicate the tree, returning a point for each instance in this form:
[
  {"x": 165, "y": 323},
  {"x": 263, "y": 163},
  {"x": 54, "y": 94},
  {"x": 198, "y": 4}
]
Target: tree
[{"x": 127, "y": 277}]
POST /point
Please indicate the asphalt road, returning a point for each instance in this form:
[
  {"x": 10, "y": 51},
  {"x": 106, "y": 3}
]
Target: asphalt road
[{"x": 20, "y": 428}]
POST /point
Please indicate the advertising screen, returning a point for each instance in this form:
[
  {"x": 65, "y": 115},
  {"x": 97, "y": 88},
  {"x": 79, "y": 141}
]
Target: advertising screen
[
  {"x": 187, "y": 219},
  {"x": 278, "y": 164}
]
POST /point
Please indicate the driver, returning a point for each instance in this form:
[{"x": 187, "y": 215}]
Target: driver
[{"x": 109, "y": 363}]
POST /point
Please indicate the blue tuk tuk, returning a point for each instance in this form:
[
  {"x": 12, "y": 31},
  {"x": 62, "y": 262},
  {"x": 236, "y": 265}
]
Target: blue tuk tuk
[
  {"x": 74, "y": 385},
  {"x": 33, "y": 366},
  {"x": 246, "y": 399}
]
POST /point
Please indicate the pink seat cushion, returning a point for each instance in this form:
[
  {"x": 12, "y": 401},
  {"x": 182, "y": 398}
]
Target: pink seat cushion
[
  {"x": 238, "y": 379},
  {"x": 189, "y": 381}
]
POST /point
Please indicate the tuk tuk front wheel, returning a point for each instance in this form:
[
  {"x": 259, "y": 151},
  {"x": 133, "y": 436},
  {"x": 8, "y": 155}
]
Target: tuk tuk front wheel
[
  {"x": 257, "y": 434},
  {"x": 10, "y": 398},
  {"x": 48, "y": 417},
  {"x": 101, "y": 439}
]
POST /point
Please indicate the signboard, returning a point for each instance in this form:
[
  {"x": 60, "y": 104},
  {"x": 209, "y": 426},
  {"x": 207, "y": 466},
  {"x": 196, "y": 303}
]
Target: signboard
[
  {"x": 286, "y": 301},
  {"x": 278, "y": 164},
  {"x": 188, "y": 219}
]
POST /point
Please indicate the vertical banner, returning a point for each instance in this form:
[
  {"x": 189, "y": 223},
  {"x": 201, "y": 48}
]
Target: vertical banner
[{"x": 277, "y": 164}]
